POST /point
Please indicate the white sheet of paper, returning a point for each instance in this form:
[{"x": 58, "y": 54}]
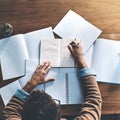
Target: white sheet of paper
[
  {"x": 75, "y": 89},
  {"x": 57, "y": 88},
  {"x": 106, "y": 59},
  {"x": 50, "y": 51},
  {"x": 74, "y": 26},
  {"x": 8, "y": 91},
  {"x": 66, "y": 59},
  {"x": 13, "y": 56},
  {"x": 32, "y": 40}
]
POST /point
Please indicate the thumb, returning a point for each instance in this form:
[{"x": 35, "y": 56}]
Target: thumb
[{"x": 49, "y": 79}]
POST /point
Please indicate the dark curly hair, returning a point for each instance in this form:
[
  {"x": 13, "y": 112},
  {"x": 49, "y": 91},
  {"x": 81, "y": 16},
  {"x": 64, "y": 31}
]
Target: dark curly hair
[{"x": 40, "y": 106}]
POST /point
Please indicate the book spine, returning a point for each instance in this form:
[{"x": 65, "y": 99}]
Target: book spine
[{"x": 67, "y": 89}]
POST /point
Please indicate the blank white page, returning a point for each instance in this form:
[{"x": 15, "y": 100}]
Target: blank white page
[
  {"x": 50, "y": 51},
  {"x": 13, "y": 57},
  {"x": 8, "y": 91},
  {"x": 74, "y": 26},
  {"x": 75, "y": 89},
  {"x": 106, "y": 60},
  {"x": 57, "y": 88},
  {"x": 66, "y": 59},
  {"x": 33, "y": 38}
]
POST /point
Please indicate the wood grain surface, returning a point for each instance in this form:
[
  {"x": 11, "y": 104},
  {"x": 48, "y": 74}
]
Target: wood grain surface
[{"x": 29, "y": 15}]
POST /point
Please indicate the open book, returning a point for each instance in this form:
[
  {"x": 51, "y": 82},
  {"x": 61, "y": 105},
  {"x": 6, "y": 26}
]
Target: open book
[
  {"x": 16, "y": 49},
  {"x": 106, "y": 60},
  {"x": 56, "y": 51}
]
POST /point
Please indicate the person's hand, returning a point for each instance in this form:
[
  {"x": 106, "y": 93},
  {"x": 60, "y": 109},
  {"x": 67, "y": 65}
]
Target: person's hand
[
  {"x": 76, "y": 51},
  {"x": 38, "y": 76}
]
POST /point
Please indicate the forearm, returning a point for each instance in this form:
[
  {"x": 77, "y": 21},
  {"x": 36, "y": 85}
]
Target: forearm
[
  {"x": 91, "y": 108},
  {"x": 93, "y": 100}
]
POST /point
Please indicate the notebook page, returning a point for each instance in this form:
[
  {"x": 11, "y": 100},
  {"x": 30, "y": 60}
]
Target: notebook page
[
  {"x": 33, "y": 38},
  {"x": 75, "y": 89},
  {"x": 74, "y": 26},
  {"x": 66, "y": 59},
  {"x": 105, "y": 60},
  {"x": 13, "y": 57},
  {"x": 57, "y": 88},
  {"x": 50, "y": 51},
  {"x": 8, "y": 91}
]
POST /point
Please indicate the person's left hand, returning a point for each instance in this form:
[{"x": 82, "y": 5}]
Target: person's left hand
[
  {"x": 38, "y": 76},
  {"x": 40, "y": 73}
]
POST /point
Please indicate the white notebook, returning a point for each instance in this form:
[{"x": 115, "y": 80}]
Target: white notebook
[
  {"x": 56, "y": 51},
  {"x": 106, "y": 60},
  {"x": 16, "y": 49},
  {"x": 12, "y": 56},
  {"x": 66, "y": 87},
  {"x": 74, "y": 26}
]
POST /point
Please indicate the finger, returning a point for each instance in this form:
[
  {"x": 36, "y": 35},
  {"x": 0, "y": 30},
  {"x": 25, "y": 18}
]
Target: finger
[
  {"x": 70, "y": 48},
  {"x": 73, "y": 42},
  {"x": 46, "y": 65},
  {"x": 49, "y": 79},
  {"x": 38, "y": 67},
  {"x": 48, "y": 68},
  {"x": 41, "y": 66}
]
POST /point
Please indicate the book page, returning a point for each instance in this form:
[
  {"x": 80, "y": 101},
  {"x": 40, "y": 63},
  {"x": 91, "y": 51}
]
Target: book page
[
  {"x": 50, "y": 51},
  {"x": 66, "y": 59},
  {"x": 8, "y": 91},
  {"x": 57, "y": 88},
  {"x": 75, "y": 89},
  {"x": 13, "y": 56},
  {"x": 33, "y": 38},
  {"x": 74, "y": 26},
  {"x": 106, "y": 60}
]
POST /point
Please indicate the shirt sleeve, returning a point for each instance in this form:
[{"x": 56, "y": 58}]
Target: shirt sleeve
[
  {"x": 91, "y": 107},
  {"x": 13, "y": 109}
]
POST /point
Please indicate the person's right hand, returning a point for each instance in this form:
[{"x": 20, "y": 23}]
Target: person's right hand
[{"x": 76, "y": 51}]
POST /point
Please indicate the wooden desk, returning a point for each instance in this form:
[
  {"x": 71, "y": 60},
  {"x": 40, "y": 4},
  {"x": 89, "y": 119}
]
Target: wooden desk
[{"x": 29, "y": 15}]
